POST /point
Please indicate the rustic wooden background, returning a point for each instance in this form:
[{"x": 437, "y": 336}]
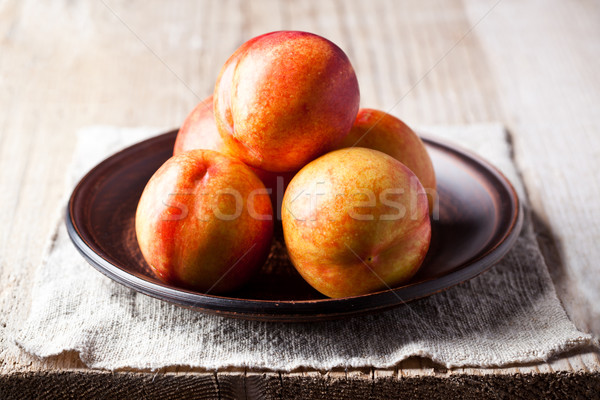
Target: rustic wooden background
[{"x": 532, "y": 65}]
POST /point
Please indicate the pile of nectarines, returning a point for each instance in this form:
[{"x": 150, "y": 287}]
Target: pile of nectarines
[{"x": 282, "y": 137}]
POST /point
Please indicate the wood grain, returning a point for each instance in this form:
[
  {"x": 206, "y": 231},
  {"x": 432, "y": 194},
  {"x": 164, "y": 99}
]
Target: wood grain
[{"x": 532, "y": 65}]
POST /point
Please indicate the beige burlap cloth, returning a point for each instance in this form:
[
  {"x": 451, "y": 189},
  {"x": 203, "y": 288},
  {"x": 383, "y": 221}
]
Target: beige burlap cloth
[{"x": 509, "y": 314}]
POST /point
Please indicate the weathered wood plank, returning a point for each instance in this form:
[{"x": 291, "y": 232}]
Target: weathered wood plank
[{"x": 545, "y": 61}]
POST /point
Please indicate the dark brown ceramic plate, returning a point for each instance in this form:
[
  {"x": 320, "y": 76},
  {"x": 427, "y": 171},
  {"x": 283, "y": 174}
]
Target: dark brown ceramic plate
[{"x": 479, "y": 220}]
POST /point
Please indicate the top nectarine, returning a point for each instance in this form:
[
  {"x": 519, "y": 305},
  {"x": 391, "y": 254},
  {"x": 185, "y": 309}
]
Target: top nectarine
[{"x": 284, "y": 98}]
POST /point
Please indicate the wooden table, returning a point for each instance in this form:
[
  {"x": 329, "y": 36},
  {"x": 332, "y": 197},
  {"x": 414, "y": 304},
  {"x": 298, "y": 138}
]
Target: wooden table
[{"x": 531, "y": 65}]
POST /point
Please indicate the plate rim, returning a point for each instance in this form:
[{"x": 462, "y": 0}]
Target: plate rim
[{"x": 304, "y": 310}]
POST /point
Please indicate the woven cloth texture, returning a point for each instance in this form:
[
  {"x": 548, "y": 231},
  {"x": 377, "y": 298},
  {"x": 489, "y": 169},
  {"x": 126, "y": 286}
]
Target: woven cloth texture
[{"x": 509, "y": 314}]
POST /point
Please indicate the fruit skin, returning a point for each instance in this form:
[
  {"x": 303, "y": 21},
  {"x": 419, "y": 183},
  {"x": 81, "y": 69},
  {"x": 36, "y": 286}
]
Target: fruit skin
[
  {"x": 199, "y": 131},
  {"x": 284, "y": 98},
  {"x": 188, "y": 227},
  {"x": 345, "y": 242},
  {"x": 377, "y": 130}
]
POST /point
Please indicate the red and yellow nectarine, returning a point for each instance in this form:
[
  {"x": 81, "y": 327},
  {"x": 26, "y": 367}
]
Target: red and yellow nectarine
[
  {"x": 378, "y": 130},
  {"x": 284, "y": 98},
  {"x": 204, "y": 222},
  {"x": 355, "y": 221}
]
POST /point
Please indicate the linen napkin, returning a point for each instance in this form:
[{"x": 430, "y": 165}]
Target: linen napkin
[{"x": 509, "y": 314}]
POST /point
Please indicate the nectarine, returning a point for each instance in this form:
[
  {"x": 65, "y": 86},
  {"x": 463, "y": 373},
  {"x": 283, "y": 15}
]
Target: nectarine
[
  {"x": 355, "y": 221},
  {"x": 204, "y": 222},
  {"x": 378, "y": 130},
  {"x": 284, "y": 98}
]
